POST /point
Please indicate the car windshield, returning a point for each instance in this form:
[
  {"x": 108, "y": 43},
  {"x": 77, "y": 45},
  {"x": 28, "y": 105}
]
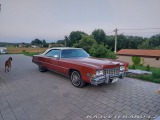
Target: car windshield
[{"x": 73, "y": 53}]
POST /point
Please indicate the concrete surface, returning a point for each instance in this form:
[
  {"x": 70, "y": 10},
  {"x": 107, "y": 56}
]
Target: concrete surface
[{"x": 27, "y": 94}]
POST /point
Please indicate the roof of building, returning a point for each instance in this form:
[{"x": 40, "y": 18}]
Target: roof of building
[{"x": 139, "y": 52}]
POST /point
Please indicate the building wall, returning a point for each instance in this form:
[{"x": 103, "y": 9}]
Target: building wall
[{"x": 147, "y": 61}]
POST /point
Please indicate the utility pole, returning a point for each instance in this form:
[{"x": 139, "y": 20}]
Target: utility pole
[
  {"x": 65, "y": 40},
  {"x": 115, "y": 45}
]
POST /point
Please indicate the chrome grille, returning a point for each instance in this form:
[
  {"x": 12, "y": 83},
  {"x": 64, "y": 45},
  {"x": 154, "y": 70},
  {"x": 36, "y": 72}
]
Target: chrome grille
[{"x": 113, "y": 71}]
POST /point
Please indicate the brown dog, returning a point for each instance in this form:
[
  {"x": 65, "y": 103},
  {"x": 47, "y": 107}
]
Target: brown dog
[
  {"x": 8, "y": 64},
  {"x": 158, "y": 91}
]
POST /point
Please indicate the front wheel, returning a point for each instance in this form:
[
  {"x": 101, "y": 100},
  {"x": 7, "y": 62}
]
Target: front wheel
[{"x": 76, "y": 79}]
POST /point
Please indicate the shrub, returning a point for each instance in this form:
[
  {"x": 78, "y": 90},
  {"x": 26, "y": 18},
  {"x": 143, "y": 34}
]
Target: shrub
[
  {"x": 156, "y": 80},
  {"x": 154, "y": 77},
  {"x": 133, "y": 66},
  {"x": 147, "y": 68},
  {"x": 23, "y": 51},
  {"x": 130, "y": 67},
  {"x": 145, "y": 77},
  {"x": 136, "y": 60},
  {"x": 142, "y": 62},
  {"x": 156, "y": 74}
]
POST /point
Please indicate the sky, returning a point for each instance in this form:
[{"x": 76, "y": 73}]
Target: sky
[{"x": 25, "y": 20}]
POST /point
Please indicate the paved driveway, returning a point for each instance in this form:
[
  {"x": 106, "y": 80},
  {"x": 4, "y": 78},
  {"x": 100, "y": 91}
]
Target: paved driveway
[{"x": 27, "y": 94}]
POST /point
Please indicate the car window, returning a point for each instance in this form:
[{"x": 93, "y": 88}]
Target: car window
[
  {"x": 72, "y": 53},
  {"x": 52, "y": 53}
]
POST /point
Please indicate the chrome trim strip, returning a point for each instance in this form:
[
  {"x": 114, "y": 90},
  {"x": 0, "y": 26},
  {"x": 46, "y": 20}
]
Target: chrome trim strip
[{"x": 52, "y": 64}]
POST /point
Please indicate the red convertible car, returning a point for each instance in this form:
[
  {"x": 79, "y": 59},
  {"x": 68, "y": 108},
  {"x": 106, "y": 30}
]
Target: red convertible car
[{"x": 80, "y": 66}]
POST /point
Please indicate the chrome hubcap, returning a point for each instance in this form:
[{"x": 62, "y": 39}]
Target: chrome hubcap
[{"x": 75, "y": 78}]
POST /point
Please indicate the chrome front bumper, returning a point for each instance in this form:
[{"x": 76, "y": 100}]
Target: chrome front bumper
[
  {"x": 107, "y": 79},
  {"x": 122, "y": 75}
]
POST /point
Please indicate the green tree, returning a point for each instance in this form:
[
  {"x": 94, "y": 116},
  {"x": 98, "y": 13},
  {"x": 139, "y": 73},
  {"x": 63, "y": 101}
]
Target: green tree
[
  {"x": 101, "y": 51},
  {"x": 36, "y": 42},
  {"x": 145, "y": 45},
  {"x": 99, "y": 36},
  {"x": 110, "y": 42},
  {"x": 158, "y": 47},
  {"x": 122, "y": 42},
  {"x": 86, "y": 43},
  {"x": 134, "y": 41},
  {"x": 155, "y": 41},
  {"x": 44, "y": 43},
  {"x": 60, "y": 42},
  {"x": 75, "y": 37}
]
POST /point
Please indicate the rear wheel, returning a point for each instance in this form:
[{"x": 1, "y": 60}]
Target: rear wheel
[
  {"x": 42, "y": 69},
  {"x": 76, "y": 79}
]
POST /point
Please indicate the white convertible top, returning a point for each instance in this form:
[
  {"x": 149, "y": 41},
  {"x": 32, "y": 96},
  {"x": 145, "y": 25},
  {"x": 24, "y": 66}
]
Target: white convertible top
[{"x": 59, "y": 48}]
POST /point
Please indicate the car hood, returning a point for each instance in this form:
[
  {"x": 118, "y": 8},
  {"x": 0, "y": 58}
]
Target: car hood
[
  {"x": 94, "y": 62},
  {"x": 113, "y": 61}
]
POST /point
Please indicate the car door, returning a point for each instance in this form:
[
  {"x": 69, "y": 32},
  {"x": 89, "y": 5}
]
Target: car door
[{"x": 52, "y": 59}]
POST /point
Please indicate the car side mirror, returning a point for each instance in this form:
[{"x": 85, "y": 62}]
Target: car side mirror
[{"x": 56, "y": 57}]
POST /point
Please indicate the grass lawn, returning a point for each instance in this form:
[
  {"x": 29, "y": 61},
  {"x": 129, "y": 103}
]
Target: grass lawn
[
  {"x": 14, "y": 50},
  {"x": 155, "y": 77},
  {"x": 31, "y": 53},
  {"x": 144, "y": 68}
]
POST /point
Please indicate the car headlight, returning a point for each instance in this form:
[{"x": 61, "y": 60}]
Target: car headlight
[
  {"x": 99, "y": 73},
  {"x": 121, "y": 68}
]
